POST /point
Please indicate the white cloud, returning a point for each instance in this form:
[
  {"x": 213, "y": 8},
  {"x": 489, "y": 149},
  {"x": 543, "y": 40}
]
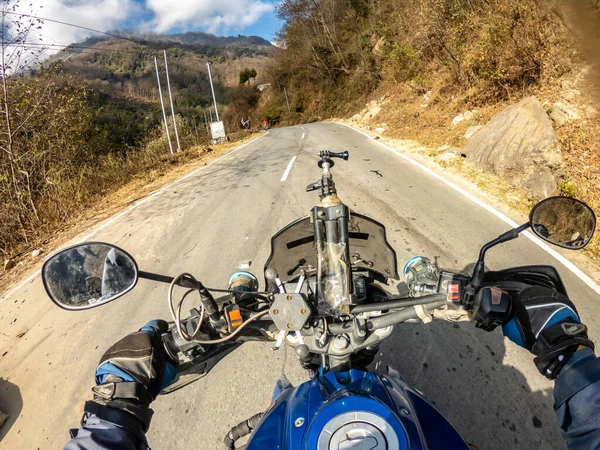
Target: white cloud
[
  {"x": 213, "y": 16},
  {"x": 103, "y": 15},
  {"x": 208, "y": 15}
]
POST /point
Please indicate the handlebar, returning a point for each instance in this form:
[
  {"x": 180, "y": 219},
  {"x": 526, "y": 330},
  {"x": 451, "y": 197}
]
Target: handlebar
[
  {"x": 400, "y": 303},
  {"x": 400, "y": 316}
]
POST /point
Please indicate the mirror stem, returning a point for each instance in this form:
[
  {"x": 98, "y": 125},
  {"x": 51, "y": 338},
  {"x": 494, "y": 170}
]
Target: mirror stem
[
  {"x": 508, "y": 236},
  {"x": 479, "y": 270}
]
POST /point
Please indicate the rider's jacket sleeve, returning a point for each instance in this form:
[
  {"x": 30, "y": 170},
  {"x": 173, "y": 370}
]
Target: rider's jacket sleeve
[
  {"x": 98, "y": 434},
  {"x": 577, "y": 401}
]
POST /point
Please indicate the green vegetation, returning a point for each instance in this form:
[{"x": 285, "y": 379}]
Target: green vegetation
[
  {"x": 246, "y": 75},
  {"x": 338, "y": 53}
]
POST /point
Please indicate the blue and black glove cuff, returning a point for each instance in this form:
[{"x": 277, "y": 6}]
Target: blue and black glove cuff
[
  {"x": 557, "y": 344},
  {"x": 546, "y": 323}
]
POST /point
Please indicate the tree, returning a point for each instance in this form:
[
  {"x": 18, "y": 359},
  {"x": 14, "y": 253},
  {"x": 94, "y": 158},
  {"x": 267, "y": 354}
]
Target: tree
[
  {"x": 16, "y": 57},
  {"x": 47, "y": 135},
  {"x": 246, "y": 75}
]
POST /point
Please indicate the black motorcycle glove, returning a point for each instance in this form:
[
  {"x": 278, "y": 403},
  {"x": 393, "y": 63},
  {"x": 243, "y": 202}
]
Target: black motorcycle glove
[
  {"x": 130, "y": 375},
  {"x": 546, "y": 323}
]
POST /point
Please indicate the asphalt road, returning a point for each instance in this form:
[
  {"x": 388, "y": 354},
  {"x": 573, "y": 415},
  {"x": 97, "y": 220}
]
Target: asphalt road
[{"x": 226, "y": 213}]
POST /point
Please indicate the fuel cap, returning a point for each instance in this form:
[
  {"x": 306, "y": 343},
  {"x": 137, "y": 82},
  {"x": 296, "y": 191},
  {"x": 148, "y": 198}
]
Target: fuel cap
[{"x": 358, "y": 430}]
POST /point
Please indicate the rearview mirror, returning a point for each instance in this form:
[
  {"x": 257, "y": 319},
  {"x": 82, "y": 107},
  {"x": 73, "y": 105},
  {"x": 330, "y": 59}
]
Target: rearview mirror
[
  {"x": 89, "y": 275},
  {"x": 563, "y": 221}
]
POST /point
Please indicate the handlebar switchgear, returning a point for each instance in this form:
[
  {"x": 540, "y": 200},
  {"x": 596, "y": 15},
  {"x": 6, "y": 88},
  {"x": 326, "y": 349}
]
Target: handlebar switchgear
[{"x": 491, "y": 308}]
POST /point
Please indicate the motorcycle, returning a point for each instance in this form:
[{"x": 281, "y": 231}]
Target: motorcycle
[{"x": 327, "y": 296}]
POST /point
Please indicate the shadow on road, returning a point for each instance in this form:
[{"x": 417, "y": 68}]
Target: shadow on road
[
  {"x": 11, "y": 403},
  {"x": 460, "y": 369}
]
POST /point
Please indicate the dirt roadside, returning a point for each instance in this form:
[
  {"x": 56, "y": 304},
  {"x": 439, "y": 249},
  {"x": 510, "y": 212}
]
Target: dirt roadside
[{"x": 116, "y": 202}]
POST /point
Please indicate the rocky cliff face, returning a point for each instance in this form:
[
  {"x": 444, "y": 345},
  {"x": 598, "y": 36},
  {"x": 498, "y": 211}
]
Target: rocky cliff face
[{"x": 520, "y": 145}]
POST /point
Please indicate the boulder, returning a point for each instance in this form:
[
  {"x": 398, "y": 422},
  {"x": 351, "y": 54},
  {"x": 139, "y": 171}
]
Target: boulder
[
  {"x": 558, "y": 117},
  {"x": 447, "y": 149},
  {"x": 519, "y": 144},
  {"x": 472, "y": 130},
  {"x": 472, "y": 116},
  {"x": 447, "y": 157},
  {"x": 373, "y": 109},
  {"x": 563, "y": 112},
  {"x": 458, "y": 119}
]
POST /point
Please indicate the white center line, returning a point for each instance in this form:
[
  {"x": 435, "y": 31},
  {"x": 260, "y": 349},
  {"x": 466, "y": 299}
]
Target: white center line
[
  {"x": 303, "y": 134},
  {"x": 287, "y": 171}
]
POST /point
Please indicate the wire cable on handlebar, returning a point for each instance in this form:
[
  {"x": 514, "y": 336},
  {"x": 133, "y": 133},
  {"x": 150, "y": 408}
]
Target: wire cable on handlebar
[
  {"x": 231, "y": 291},
  {"x": 177, "y": 315},
  {"x": 226, "y": 338}
]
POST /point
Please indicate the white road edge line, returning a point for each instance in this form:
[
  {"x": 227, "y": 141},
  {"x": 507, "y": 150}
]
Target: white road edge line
[
  {"x": 564, "y": 261},
  {"x": 289, "y": 167},
  {"x": 131, "y": 208},
  {"x": 303, "y": 134}
]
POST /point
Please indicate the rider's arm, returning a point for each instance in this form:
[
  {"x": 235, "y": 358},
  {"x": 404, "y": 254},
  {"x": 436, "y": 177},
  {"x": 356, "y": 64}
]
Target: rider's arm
[
  {"x": 98, "y": 434},
  {"x": 577, "y": 400},
  {"x": 547, "y": 324},
  {"x": 129, "y": 377}
]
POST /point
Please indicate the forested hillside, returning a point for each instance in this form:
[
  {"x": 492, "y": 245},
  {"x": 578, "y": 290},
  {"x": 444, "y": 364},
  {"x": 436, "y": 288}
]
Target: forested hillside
[
  {"x": 121, "y": 74},
  {"x": 475, "y": 51}
]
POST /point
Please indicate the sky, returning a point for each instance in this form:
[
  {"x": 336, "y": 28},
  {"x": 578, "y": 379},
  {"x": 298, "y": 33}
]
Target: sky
[{"x": 220, "y": 17}]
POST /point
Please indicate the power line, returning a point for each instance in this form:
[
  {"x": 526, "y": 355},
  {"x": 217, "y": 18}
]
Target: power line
[
  {"x": 53, "y": 40},
  {"x": 94, "y": 31},
  {"x": 70, "y": 25},
  {"x": 66, "y": 47}
]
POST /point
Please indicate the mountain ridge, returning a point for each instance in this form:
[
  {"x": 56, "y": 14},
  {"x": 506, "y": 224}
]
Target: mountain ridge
[{"x": 186, "y": 38}]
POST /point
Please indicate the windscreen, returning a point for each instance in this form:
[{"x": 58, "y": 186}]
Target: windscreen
[{"x": 293, "y": 248}]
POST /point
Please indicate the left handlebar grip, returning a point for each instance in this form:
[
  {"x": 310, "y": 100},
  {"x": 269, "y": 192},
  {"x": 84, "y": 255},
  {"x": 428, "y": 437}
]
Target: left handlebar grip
[{"x": 171, "y": 348}]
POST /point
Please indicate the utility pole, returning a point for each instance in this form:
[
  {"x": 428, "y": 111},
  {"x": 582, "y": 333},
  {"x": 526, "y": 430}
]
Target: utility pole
[
  {"x": 171, "y": 100},
  {"x": 162, "y": 104},
  {"x": 213, "y": 90},
  {"x": 286, "y": 99}
]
